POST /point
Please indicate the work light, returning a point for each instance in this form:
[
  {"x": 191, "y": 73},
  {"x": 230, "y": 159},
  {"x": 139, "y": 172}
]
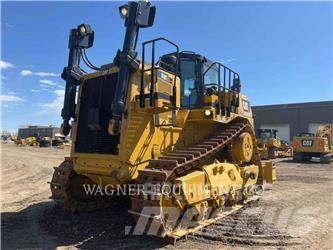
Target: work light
[
  {"x": 208, "y": 112},
  {"x": 82, "y": 29},
  {"x": 123, "y": 11}
]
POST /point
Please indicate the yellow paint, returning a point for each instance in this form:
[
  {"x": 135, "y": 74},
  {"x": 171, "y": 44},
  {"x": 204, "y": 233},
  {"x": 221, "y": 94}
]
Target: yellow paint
[
  {"x": 142, "y": 137},
  {"x": 270, "y": 172},
  {"x": 215, "y": 180},
  {"x": 242, "y": 149}
]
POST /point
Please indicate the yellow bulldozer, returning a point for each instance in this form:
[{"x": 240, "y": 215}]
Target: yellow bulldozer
[
  {"x": 177, "y": 126},
  {"x": 308, "y": 145},
  {"x": 270, "y": 146},
  {"x": 34, "y": 141},
  {"x": 29, "y": 141},
  {"x": 286, "y": 148}
]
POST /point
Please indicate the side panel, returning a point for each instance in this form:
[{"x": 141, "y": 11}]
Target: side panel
[{"x": 310, "y": 144}]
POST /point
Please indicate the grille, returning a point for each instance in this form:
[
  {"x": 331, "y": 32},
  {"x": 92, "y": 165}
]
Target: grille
[{"x": 95, "y": 102}]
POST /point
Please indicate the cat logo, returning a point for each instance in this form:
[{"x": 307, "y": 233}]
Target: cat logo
[{"x": 307, "y": 143}]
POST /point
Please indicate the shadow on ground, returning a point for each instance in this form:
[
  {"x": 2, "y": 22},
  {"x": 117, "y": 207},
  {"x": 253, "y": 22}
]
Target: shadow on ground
[{"x": 45, "y": 225}]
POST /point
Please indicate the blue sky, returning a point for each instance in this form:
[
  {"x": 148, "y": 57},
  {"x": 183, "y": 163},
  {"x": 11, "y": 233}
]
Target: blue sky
[{"x": 283, "y": 51}]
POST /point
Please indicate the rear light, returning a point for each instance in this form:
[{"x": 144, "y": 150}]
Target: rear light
[
  {"x": 321, "y": 144},
  {"x": 296, "y": 144}
]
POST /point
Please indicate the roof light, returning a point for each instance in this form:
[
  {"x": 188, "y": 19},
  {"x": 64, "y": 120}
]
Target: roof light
[
  {"x": 123, "y": 10},
  {"x": 208, "y": 112}
]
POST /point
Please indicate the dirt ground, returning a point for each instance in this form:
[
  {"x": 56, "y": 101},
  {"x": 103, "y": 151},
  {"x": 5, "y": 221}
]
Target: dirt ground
[{"x": 296, "y": 212}]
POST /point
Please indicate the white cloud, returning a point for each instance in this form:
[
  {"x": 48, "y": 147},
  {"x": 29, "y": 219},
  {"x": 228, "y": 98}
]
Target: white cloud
[
  {"x": 11, "y": 98},
  {"x": 3, "y": 77},
  {"x": 47, "y": 82},
  {"x": 59, "y": 92},
  {"x": 43, "y": 74},
  {"x": 35, "y": 90},
  {"x": 27, "y": 72},
  {"x": 231, "y": 59},
  {"x": 5, "y": 105},
  {"x": 6, "y": 65},
  {"x": 55, "y": 106},
  {"x": 9, "y": 25},
  {"x": 11, "y": 93}
]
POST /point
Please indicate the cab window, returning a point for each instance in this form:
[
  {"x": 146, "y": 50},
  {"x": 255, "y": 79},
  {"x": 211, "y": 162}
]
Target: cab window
[
  {"x": 267, "y": 135},
  {"x": 211, "y": 76},
  {"x": 190, "y": 89}
]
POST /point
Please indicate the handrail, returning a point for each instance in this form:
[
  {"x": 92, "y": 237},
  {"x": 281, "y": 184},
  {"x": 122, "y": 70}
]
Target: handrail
[
  {"x": 223, "y": 66},
  {"x": 152, "y": 76},
  {"x": 160, "y": 39},
  {"x": 225, "y": 71}
]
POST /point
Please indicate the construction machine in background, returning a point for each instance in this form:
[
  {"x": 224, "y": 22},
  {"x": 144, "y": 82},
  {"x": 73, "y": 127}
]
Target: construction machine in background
[
  {"x": 13, "y": 138},
  {"x": 58, "y": 140},
  {"x": 308, "y": 145},
  {"x": 44, "y": 142},
  {"x": 180, "y": 120},
  {"x": 271, "y": 146},
  {"x": 29, "y": 141},
  {"x": 34, "y": 141},
  {"x": 19, "y": 142},
  {"x": 286, "y": 149}
]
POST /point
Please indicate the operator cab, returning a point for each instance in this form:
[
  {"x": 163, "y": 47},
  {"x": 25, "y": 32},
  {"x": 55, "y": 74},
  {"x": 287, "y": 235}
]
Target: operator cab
[
  {"x": 199, "y": 77},
  {"x": 265, "y": 134}
]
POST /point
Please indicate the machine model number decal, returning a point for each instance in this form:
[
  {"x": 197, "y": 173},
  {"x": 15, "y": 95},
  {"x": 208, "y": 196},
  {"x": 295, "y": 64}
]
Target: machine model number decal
[
  {"x": 307, "y": 143},
  {"x": 164, "y": 76},
  {"x": 246, "y": 105}
]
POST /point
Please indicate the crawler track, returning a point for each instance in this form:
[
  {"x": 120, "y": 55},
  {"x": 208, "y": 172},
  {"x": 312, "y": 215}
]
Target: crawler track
[
  {"x": 244, "y": 229},
  {"x": 165, "y": 169},
  {"x": 64, "y": 193}
]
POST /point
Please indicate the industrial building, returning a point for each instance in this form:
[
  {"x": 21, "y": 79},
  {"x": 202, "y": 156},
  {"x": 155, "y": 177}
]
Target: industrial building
[
  {"x": 43, "y": 131},
  {"x": 290, "y": 119}
]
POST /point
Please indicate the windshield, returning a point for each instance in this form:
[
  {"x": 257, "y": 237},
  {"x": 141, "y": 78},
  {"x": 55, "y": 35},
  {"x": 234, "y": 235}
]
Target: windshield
[
  {"x": 266, "y": 135},
  {"x": 211, "y": 76},
  {"x": 190, "y": 91}
]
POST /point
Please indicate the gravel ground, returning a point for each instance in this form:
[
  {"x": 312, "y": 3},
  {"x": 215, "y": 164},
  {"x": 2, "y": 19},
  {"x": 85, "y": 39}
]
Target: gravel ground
[{"x": 296, "y": 212}]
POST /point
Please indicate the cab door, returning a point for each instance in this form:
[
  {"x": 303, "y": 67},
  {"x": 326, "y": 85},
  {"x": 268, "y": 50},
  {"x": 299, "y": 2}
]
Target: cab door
[{"x": 191, "y": 82}]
